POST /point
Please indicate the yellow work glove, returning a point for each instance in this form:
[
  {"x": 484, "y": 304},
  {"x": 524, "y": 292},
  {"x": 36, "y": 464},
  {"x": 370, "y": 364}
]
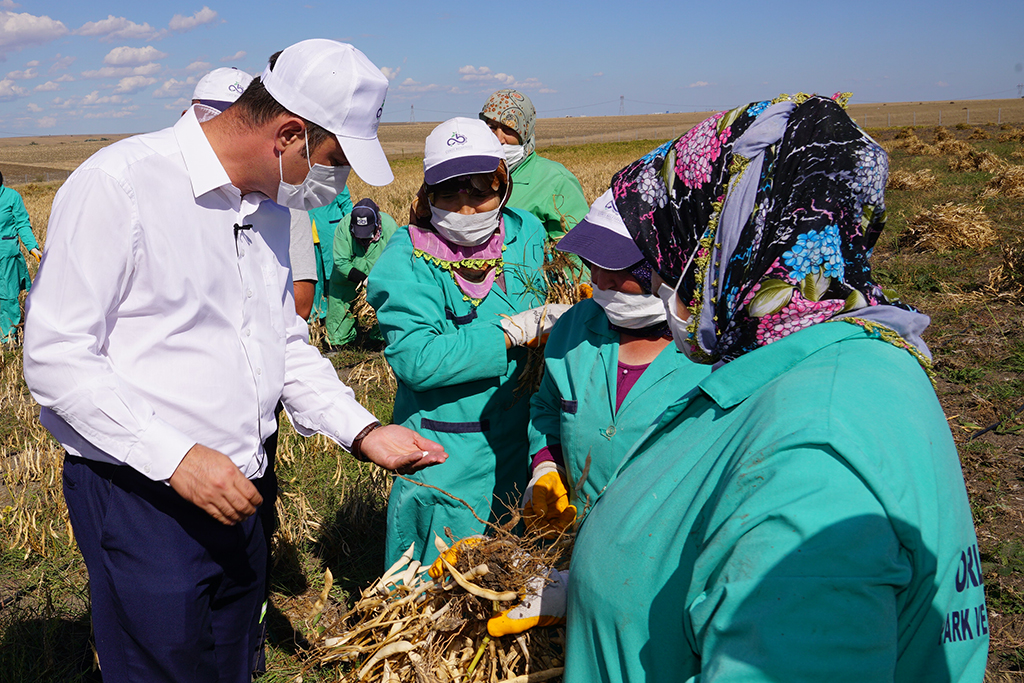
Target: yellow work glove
[
  {"x": 451, "y": 555},
  {"x": 543, "y": 605},
  {"x": 546, "y": 505}
]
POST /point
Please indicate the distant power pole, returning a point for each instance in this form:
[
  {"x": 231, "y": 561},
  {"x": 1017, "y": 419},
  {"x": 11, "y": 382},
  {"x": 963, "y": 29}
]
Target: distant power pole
[
  {"x": 1020, "y": 89},
  {"x": 412, "y": 114},
  {"x": 622, "y": 105}
]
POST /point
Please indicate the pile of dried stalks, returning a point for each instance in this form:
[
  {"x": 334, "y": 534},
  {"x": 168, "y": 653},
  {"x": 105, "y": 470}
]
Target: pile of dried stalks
[
  {"x": 978, "y": 134},
  {"x": 908, "y": 180},
  {"x": 942, "y": 134},
  {"x": 1008, "y": 183},
  {"x": 366, "y": 316},
  {"x": 911, "y": 144},
  {"x": 966, "y": 158},
  {"x": 951, "y": 226},
  {"x": 373, "y": 372},
  {"x": 1012, "y": 135},
  {"x": 409, "y": 627},
  {"x": 1008, "y": 277}
]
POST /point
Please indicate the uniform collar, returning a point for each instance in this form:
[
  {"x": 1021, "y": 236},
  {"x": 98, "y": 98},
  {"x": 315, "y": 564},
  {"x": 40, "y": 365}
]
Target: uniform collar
[
  {"x": 524, "y": 171},
  {"x": 737, "y": 380},
  {"x": 204, "y": 168}
]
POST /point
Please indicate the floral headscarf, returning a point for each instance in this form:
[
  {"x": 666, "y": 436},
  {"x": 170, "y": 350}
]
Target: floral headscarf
[
  {"x": 782, "y": 201},
  {"x": 513, "y": 109}
]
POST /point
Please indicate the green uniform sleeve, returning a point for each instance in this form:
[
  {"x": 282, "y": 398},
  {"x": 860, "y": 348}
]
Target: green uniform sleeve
[
  {"x": 806, "y": 545},
  {"x": 425, "y": 349},
  {"x": 570, "y": 202},
  {"x": 21, "y": 222},
  {"x": 343, "y": 248}
]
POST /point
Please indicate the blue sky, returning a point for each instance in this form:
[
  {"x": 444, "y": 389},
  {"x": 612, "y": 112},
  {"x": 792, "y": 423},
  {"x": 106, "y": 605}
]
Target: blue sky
[{"x": 112, "y": 66}]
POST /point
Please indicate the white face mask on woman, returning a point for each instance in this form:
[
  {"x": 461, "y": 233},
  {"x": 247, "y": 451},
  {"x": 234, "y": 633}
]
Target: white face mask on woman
[
  {"x": 466, "y": 230},
  {"x": 631, "y": 311},
  {"x": 321, "y": 185},
  {"x": 669, "y": 299},
  {"x": 514, "y": 155}
]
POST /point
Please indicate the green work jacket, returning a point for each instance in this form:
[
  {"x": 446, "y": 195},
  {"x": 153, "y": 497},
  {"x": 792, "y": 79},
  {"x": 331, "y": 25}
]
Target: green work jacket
[
  {"x": 325, "y": 222},
  {"x": 14, "y": 224},
  {"x": 350, "y": 255},
  {"x": 457, "y": 384},
  {"x": 549, "y": 191},
  {"x": 799, "y": 516},
  {"x": 575, "y": 405}
]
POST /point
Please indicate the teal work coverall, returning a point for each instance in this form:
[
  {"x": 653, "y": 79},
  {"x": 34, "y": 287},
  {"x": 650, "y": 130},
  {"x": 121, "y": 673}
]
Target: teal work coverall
[
  {"x": 457, "y": 384},
  {"x": 351, "y": 259},
  {"x": 325, "y": 222},
  {"x": 575, "y": 405},
  {"x": 549, "y": 191},
  {"x": 800, "y": 516},
  {"x": 14, "y": 277}
]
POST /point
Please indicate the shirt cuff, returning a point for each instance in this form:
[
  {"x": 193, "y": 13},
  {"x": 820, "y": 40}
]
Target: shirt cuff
[
  {"x": 159, "y": 450},
  {"x": 550, "y": 453}
]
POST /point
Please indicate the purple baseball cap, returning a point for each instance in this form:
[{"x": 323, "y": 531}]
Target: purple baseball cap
[
  {"x": 460, "y": 146},
  {"x": 601, "y": 237}
]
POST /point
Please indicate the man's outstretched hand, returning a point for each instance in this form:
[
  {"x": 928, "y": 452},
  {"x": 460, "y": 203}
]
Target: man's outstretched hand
[
  {"x": 402, "y": 450},
  {"x": 209, "y": 479}
]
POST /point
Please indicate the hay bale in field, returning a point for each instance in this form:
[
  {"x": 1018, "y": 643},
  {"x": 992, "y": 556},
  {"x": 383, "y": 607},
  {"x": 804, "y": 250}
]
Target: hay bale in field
[
  {"x": 978, "y": 134},
  {"x": 904, "y": 133},
  {"x": 942, "y": 134},
  {"x": 955, "y": 147},
  {"x": 1009, "y": 183},
  {"x": 1008, "y": 277},
  {"x": 970, "y": 159},
  {"x": 908, "y": 180},
  {"x": 410, "y": 627},
  {"x": 1011, "y": 134},
  {"x": 913, "y": 145},
  {"x": 951, "y": 226}
]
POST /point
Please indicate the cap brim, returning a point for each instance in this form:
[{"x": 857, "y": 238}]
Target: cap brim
[
  {"x": 367, "y": 159},
  {"x": 600, "y": 246},
  {"x": 453, "y": 168}
]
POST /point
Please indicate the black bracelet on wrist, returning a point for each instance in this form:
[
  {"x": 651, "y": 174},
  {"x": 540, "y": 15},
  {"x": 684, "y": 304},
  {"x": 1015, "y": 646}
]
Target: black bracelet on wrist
[{"x": 357, "y": 443}]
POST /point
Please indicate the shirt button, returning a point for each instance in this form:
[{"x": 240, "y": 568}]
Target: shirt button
[
  {"x": 146, "y": 469},
  {"x": 259, "y": 371},
  {"x": 248, "y": 293},
  {"x": 241, "y": 252},
  {"x": 248, "y": 333},
  {"x": 610, "y": 431}
]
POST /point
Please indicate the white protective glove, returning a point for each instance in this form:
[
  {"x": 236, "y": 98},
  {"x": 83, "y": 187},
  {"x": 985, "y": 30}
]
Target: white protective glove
[
  {"x": 532, "y": 326},
  {"x": 543, "y": 605}
]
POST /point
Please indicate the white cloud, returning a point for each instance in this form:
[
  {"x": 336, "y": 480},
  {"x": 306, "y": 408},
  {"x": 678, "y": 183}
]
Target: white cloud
[
  {"x": 122, "y": 71},
  {"x": 9, "y": 91},
  {"x": 198, "y": 66},
  {"x": 119, "y": 114},
  {"x": 699, "y": 84},
  {"x": 21, "y": 30},
  {"x": 49, "y": 86},
  {"x": 182, "y": 23},
  {"x": 66, "y": 78},
  {"x": 178, "y": 104},
  {"x": 129, "y": 56},
  {"x": 390, "y": 73},
  {"x": 116, "y": 28},
  {"x": 547, "y": 90},
  {"x": 237, "y": 57},
  {"x": 9, "y": 4},
  {"x": 34, "y": 108},
  {"x": 599, "y": 74},
  {"x": 26, "y": 75},
  {"x": 61, "y": 63},
  {"x": 942, "y": 84},
  {"x": 34, "y": 62},
  {"x": 133, "y": 84},
  {"x": 172, "y": 88},
  {"x": 94, "y": 98},
  {"x": 46, "y": 122},
  {"x": 485, "y": 76}
]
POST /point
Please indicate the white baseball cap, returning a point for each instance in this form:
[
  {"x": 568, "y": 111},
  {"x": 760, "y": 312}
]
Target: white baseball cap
[
  {"x": 335, "y": 86},
  {"x": 460, "y": 146},
  {"x": 221, "y": 87},
  {"x": 602, "y": 238}
]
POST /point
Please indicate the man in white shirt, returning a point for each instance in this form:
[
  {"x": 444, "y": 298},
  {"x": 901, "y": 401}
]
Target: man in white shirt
[{"x": 161, "y": 334}]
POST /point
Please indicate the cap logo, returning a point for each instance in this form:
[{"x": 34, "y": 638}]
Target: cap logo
[
  {"x": 380, "y": 110},
  {"x": 236, "y": 87},
  {"x": 362, "y": 220},
  {"x": 456, "y": 139}
]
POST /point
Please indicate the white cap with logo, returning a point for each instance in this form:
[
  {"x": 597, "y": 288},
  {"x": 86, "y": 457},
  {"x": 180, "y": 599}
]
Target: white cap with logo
[
  {"x": 460, "y": 146},
  {"x": 335, "y": 86},
  {"x": 221, "y": 87}
]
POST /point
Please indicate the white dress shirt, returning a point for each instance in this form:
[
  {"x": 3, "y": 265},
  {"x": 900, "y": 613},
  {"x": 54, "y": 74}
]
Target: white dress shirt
[{"x": 153, "y": 324}]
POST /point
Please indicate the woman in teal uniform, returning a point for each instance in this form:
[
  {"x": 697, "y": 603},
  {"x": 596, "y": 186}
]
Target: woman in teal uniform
[
  {"x": 800, "y": 515},
  {"x": 545, "y": 188},
  {"x": 14, "y": 224},
  {"x": 457, "y": 293},
  {"x": 610, "y": 369}
]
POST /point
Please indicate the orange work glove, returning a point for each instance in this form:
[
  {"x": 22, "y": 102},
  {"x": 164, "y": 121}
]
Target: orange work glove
[
  {"x": 543, "y": 605},
  {"x": 546, "y": 505},
  {"x": 451, "y": 555}
]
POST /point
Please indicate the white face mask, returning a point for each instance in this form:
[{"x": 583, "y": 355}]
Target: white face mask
[
  {"x": 669, "y": 299},
  {"x": 632, "y": 311},
  {"x": 462, "y": 229},
  {"x": 514, "y": 155},
  {"x": 321, "y": 186}
]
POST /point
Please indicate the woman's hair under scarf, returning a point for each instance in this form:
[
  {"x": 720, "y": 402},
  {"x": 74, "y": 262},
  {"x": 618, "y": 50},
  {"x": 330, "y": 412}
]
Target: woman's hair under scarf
[
  {"x": 780, "y": 204},
  {"x": 513, "y": 109}
]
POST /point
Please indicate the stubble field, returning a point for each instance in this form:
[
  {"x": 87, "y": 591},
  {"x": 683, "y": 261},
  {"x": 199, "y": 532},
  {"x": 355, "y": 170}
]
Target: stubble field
[{"x": 953, "y": 248}]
